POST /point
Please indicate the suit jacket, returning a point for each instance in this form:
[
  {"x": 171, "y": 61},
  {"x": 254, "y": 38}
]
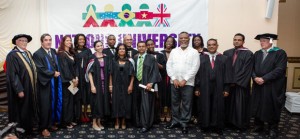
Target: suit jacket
[
  {"x": 108, "y": 52},
  {"x": 43, "y": 61},
  {"x": 150, "y": 70}
]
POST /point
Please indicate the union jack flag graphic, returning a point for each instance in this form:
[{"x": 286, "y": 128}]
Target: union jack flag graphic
[{"x": 162, "y": 16}]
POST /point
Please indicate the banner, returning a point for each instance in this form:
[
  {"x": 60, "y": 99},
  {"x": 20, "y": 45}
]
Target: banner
[{"x": 148, "y": 19}]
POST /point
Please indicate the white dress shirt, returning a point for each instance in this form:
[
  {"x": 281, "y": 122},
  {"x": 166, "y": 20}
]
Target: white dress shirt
[
  {"x": 183, "y": 65},
  {"x": 212, "y": 55}
]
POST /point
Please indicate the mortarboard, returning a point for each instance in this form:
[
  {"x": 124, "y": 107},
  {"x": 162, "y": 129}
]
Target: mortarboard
[{"x": 29, "y": 38}]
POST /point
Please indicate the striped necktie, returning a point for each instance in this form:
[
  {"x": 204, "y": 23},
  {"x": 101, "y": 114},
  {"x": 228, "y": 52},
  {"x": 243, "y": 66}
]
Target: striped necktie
[
  {"x": 26, "y": 57},
  {"x": 140, "y": 68}
]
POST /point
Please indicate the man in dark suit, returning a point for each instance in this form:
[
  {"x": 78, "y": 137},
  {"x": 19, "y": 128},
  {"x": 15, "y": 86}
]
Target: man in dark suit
[
  {"x": 147, "y": 74},
  {"x": 49, "y": 85},
  {"x": 110, "y": 50}
]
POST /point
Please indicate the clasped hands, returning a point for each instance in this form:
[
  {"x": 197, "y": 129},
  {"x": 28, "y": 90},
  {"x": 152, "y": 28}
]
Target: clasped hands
[{"x": 178, "y": 84}]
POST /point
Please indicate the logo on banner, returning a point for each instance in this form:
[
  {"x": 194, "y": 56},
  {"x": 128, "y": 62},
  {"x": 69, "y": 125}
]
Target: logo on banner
[{"x": 126, "y": 17}]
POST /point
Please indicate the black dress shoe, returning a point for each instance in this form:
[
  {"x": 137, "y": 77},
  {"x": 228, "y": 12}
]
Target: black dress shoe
[
  {"x": 273, "y": 134},
  {"x": 257, "y": 129},
  {"x": 170, "y": 126},
  {"x": 144, "y": 130},
  {"x": 184, "y": 130}
]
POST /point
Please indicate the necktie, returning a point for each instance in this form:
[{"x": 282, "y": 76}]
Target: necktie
[
  {"x": 26, "y": 57},
  {"x": 235, "y": 56},
  {"x": 212, "y": 62},
  {"x": 49, "y": 53},
  {"x": 265, "y": 53},
  {"x": 113, "y": 51},
  {"x": 140, "y": 68}
]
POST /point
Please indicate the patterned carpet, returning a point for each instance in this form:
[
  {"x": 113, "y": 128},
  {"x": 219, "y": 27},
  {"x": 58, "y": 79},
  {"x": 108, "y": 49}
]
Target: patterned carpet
[{"x": 289, "y": 127}]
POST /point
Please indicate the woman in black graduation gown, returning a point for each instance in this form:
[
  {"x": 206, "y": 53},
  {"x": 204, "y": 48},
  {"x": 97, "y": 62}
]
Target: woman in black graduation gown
[
  {"x": 198, "y": 44},
  {"x": 67, "y": 63},
  {"x": 121, "y": 85},
  {"x": 97, "y": 73},
  {"x": 165, "y": 98},
  {"x": 82, "y": 54}
]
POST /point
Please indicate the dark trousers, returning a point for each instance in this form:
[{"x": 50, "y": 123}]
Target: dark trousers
[{"x": 182, "y": 98}]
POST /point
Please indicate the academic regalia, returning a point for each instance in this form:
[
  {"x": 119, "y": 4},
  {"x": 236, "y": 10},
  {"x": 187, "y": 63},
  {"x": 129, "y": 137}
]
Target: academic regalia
[
  {"x": 21, "y": 76},
  {"x": 166, "y": 98},
  {"x": 82, "y": 96},
  {"x": 211, "y": 83},
  {"x": 238, "y": 102},
  {"x": 109, "y": 53},
  {"x": 101, "y": 99},
  {"x": 144, "y": 101},
  {"x": 203, "y": 51},
  {"x": 196, "y": 103},
  {"x": 67, "y": 64},
  {"x": 49, "y": 88},
  {"x": 161, "y": 86},
  {"x": 121, "y": 100},
  {"x": 132, "y": 52},
  {"x": 269, "y": 98}
]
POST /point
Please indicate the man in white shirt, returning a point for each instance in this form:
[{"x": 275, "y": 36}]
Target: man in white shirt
[{"x": 182, "y": 67}]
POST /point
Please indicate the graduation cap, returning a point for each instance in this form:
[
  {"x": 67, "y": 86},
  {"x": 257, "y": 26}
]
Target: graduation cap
[
  {"x": 29, "y": 38},
  {"x": 269, "y": 36}
]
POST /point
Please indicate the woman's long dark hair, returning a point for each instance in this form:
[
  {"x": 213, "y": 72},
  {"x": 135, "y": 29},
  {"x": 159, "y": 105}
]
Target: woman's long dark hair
[
  {"x": 62, "y": 46},
  {"x": 201, "y": 44}
]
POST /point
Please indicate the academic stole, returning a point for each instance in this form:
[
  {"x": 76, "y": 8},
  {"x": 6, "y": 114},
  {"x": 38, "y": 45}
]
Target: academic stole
[
  {"x": 32, "y": 73},
  {"x": 56, "y": 115}
]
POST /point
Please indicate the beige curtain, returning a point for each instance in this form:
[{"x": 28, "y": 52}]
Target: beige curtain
[{"x": 21, "y": 16}]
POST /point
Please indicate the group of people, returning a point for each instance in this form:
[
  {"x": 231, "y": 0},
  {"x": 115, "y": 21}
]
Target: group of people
[{"x": 144, "y": 86}]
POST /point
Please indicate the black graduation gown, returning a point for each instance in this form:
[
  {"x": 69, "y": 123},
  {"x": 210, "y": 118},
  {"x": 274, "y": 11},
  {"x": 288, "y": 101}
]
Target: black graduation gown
[
  {"x": 132, "y": 52},
  {"x": 82, "y": 96},
  {"x": 269, "y": 98},
  {"x": 67, "y": 74},
  {"x": 238, "y": 102},
  {"x": 121, "y": 100},
  {"x": 21, "y": 76},
  {"x": 196, "y": 103},
  {"x": 159, "y": 103},
  {"x": 108, "y": 52},
  {"x": 212, "y": 83},
  {"x": 165, "y": 98},
  {"x": 143, "y": 101},
  {"x": 81, "y": 61},
  {"x": 100, "y": 102},
  {"x": 49, "y": 88}
]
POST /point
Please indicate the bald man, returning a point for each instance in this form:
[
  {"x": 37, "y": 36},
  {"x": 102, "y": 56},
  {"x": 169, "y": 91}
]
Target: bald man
[{"x": 127, "y": 40}]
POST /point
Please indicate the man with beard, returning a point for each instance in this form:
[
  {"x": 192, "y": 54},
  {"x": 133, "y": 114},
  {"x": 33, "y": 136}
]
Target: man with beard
[
  {"x": 21, "y": 79},
  {"x": 49, "y": 85},
  {"x": 182, "y": 67},
  {"x": 110, "y": 51},
  {"x": 237, "y": 103}
]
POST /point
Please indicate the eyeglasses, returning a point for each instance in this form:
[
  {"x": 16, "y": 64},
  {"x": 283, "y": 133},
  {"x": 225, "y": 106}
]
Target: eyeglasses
[{"x": 23, "y": 40}]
